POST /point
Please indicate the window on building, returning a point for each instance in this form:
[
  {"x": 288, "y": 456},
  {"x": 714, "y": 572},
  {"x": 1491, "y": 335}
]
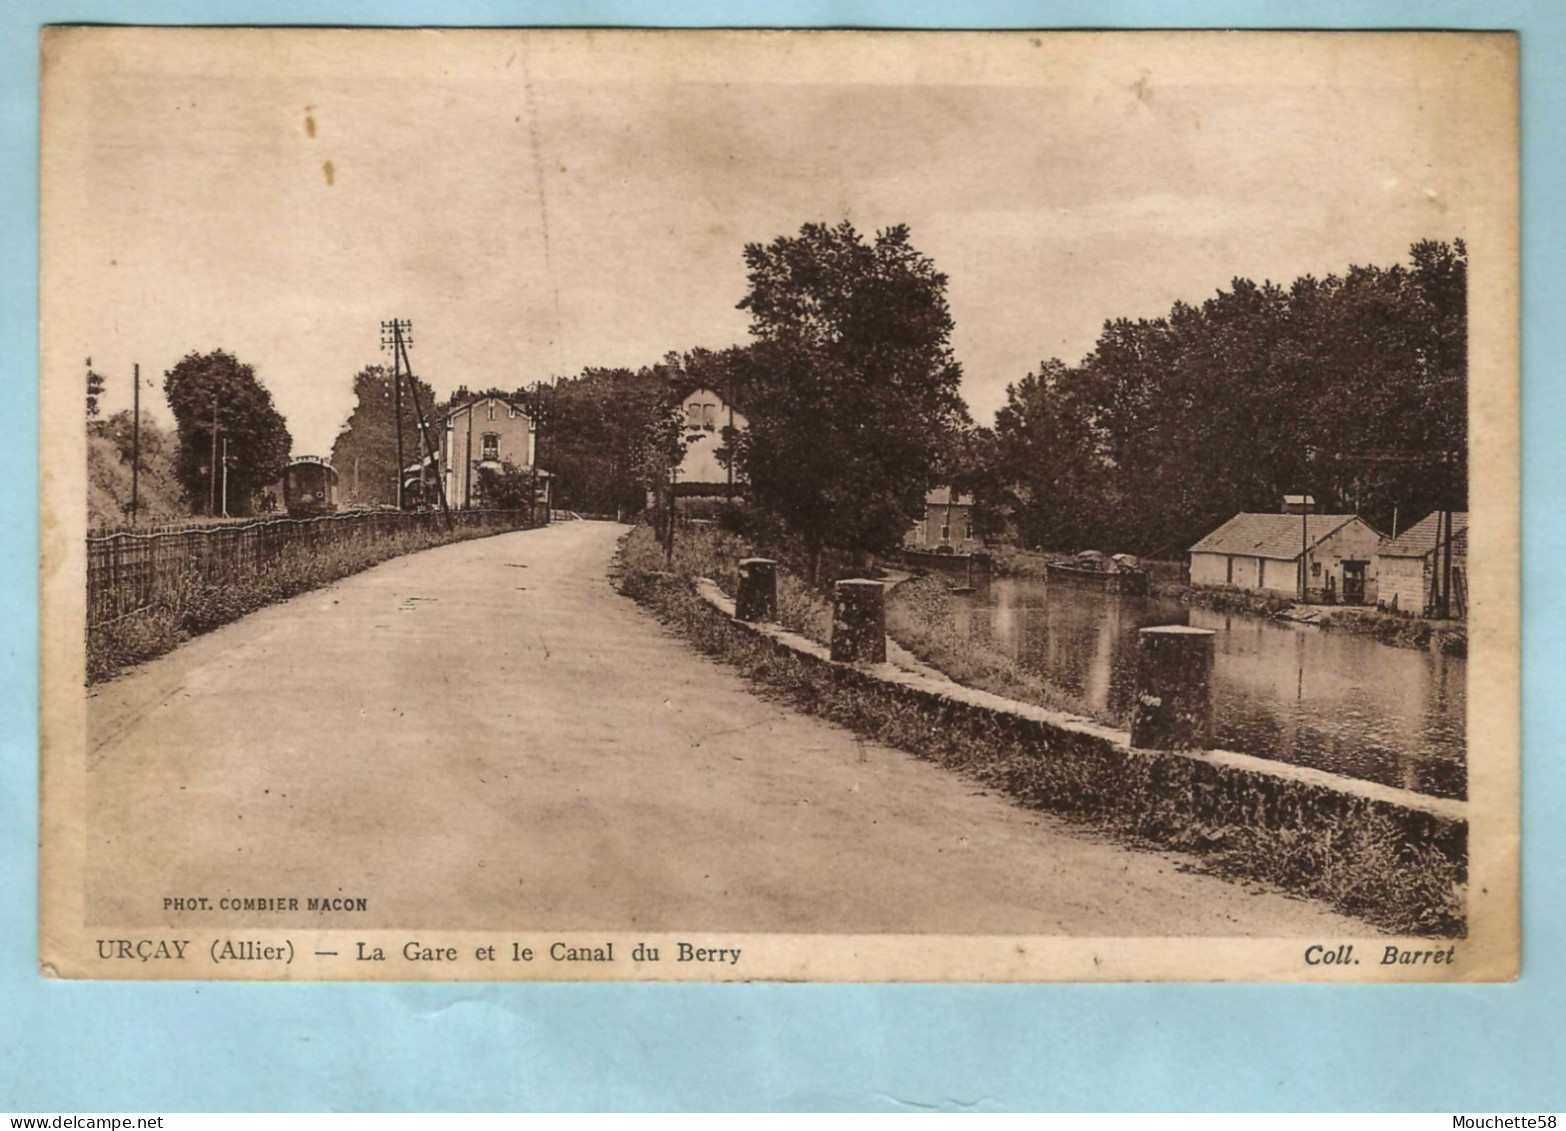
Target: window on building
[
  {"x": 490, "y": 409},
  {"x": 1315, "y": 569},
  {"x": 709, "y": 416},
  {"x": 693, "y": 415},
  {"x": 967, "y": 529},
  {"x": 491, "y": 446},
  {"x": 946, "y": 532}
]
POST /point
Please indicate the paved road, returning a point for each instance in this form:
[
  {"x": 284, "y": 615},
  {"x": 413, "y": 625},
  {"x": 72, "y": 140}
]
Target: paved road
[{"x": 487, "y": 736}]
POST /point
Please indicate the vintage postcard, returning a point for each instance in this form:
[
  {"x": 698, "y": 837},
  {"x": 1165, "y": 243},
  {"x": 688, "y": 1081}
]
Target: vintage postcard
[{"x": 827, "y": 506}]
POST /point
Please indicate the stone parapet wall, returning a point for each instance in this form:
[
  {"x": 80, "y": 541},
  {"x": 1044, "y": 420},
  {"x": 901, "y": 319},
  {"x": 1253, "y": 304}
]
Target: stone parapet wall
[{"x": 1296, "y": 821}]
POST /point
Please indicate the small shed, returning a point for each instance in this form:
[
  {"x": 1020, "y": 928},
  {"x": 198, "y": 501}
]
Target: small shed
[
  {"x": 1410, "y": 565},
  {"x": 1261, "y": 553}
]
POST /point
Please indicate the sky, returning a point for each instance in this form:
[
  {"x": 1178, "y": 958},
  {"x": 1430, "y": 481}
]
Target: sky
[{"x": 538, "y": 204}]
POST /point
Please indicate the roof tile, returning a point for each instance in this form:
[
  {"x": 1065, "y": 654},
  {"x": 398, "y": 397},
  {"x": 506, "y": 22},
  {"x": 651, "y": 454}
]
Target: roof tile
[
  {"x": 1269, "y": 535},
  {"x": 1419, "y": 539}
]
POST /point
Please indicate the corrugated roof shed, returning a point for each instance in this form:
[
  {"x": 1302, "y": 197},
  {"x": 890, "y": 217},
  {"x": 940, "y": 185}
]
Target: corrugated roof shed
[
  {"x": 1270, "y": 535},
  {"x": 1419, "y": 539}
]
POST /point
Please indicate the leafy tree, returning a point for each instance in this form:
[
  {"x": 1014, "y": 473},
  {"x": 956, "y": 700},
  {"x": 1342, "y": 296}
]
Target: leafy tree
[
  {"x": 159, "y": 497},
  {"x": 851, "y": 385},
  {"x": 589, "y": 442},
  {"x": 216, "y": 388},
  {"x": 368, "y": 438},
  {"x": 1057, "y": 482},
  {"x": 611, "y": 435},
  {"x": 119, "y": 428},
  {"x": 1350, "y": 388}
]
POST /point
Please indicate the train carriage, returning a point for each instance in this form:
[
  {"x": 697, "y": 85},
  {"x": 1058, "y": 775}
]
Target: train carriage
[{"x": 310, "y": 486}]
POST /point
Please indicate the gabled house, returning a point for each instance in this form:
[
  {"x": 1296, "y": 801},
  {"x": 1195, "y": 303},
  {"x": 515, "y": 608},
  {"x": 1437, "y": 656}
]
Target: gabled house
[
  {"x": 703, "y": 473},
  {"x": 1262, "y": 553},
  {"x": 486, "y": 432},
  {"x": 947, "y": 524},
  {"x": 1411, "y": 565}
]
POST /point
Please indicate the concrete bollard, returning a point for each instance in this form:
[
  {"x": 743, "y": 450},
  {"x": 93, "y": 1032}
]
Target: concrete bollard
[
  {"x": 1174, "y": 689},
  {"x": 859, "y": 621},
  {"x": 757, "y": 599}
]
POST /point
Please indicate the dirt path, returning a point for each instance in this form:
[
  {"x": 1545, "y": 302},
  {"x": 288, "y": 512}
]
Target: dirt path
[{"x": 486, "y": 735}]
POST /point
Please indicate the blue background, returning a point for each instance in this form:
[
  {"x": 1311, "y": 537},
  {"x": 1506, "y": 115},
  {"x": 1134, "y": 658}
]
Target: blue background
[{"x": 190, "y": 1047}]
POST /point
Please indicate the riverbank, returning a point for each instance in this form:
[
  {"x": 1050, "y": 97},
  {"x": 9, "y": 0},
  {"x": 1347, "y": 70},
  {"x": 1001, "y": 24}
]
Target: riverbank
[
  {"x": 1392, "y": 863},
  {"x": 919, "y": 617},
  {"x": 1397, "y": 629}
]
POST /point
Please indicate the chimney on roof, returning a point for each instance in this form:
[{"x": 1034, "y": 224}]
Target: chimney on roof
[{"x": 1298, "y": 504}]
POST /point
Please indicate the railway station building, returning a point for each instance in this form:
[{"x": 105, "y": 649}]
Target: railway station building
[{"x": 487, "y": 432}]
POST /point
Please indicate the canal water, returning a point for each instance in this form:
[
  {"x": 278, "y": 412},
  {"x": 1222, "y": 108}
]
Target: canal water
[{"x": 1296, "y": 693}]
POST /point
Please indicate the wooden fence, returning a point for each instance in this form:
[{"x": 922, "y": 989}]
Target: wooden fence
[{"x": 128, "y": 572}]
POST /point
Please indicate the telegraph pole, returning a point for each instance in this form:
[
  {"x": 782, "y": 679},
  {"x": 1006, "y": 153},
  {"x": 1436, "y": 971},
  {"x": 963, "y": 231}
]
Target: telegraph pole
[
  {"x": 554, "y": 415},
  {"x": 135, "y": 440},
  {"x": 537, "y": 412},
  {"x": 668, "y": 548},
  {"x": 1443, "y": 583},
  {"x": 391, "y": 336},
  {"x": 1305, "y": 501},
  {"x": 212, "y": 479},
  {"x": 467, "y": 461},
  {"x": 402, "y": 332},
  {"x": 225, "y": 476}
]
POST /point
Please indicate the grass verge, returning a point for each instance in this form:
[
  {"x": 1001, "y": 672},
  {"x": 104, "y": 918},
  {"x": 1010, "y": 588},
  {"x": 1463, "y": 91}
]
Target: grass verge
[{"x": 190, "y": 607}]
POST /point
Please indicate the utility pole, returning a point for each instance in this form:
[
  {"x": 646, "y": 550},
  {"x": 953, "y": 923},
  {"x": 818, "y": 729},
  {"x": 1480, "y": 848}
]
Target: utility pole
[
  {"x": 402, "y": 332},
  {"x": 391, "y": 336},
  {"x": 1440, "y": 598},
  {"x": 212, "y": 479},
  {"x": 225, "y": 476},
  {"x": 549, "y": 483},
  {"x": 467, "y": 462},
  {"x": 1305, "y": 501},
  {"x": 1444, "y": 564},
  {"x": 668, "y": 549},
  {"x": 537, "y": 414},
  {"x": 135, "y": 441}
]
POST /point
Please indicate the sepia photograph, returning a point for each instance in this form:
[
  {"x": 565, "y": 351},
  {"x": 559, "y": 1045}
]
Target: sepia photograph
[{"x": 809, "y": 506}]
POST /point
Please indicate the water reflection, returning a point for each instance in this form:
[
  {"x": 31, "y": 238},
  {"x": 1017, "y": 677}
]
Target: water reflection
[{"x": 1297, "y": 693}]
